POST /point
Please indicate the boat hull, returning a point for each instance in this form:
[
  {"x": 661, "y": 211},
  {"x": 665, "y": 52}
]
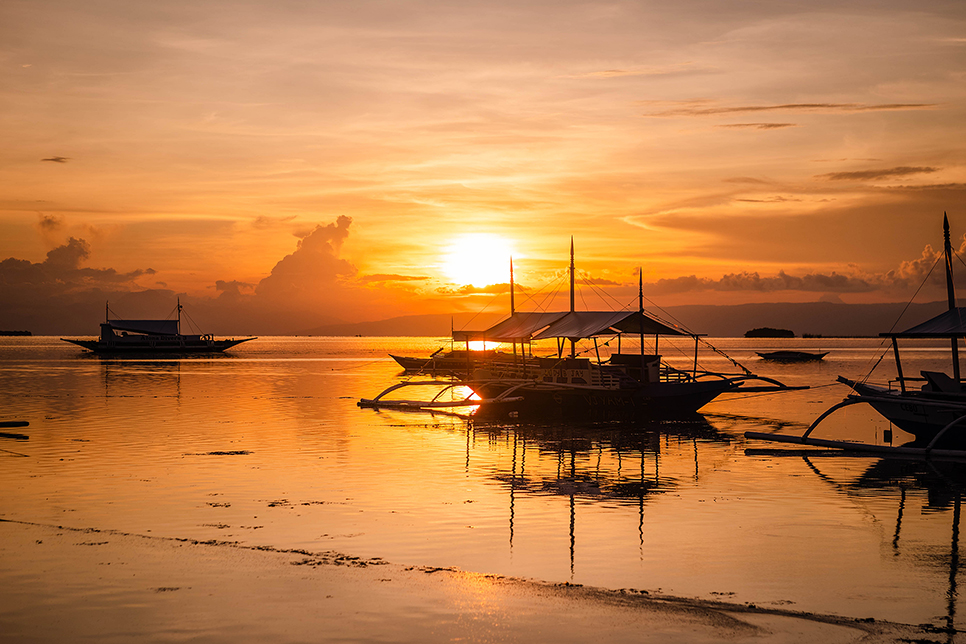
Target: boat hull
[
  {"x": 792, "y": 356},
  {"x": 915, "y": 412},
  {"x": 171, "y": 347},
  {"x": 657, "y": 400}
]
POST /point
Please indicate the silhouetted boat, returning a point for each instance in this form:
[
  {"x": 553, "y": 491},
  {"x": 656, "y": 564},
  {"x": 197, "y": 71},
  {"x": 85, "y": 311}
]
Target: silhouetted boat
[
  {"x": 791, "y": 356},
  {"x": 563, "y": 386},
  {"x": 454, "y": 362},
  {"x": 151, "y": 336},
  {"x": 936, "y": 410}
]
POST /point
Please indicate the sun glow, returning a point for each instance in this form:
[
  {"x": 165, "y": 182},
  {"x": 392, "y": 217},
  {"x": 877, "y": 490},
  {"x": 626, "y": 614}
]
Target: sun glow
[{"x": 478, "y": 259}]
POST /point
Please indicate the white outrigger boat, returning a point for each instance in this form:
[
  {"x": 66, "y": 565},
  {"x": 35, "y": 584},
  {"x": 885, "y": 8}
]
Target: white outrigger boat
[
  {"x": 931, "y": 407},
  {"x": 637, "y": 384}
]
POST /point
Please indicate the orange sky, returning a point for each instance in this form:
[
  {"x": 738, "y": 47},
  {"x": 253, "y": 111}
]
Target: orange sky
[{"x": 806, "y": 150}]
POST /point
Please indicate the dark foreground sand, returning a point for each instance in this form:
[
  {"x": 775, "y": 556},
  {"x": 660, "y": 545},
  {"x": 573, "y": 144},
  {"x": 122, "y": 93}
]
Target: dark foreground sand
[{"x": 66, "y": 584}]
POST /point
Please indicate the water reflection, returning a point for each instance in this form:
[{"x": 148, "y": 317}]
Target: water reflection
[
  {"x": 206, "y": 449},
  {"x": 943, "y": 483},
  {"x": 614, "y": 462}
]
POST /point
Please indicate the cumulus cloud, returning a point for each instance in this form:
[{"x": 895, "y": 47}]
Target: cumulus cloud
[
  {"x": 314, "y": 267},
  {"x": 232, "y": 289}
]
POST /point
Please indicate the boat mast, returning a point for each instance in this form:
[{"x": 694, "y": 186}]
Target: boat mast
[
  {"x": 179, "y": 316},
  {"x": 512, "y": 311},
  {"x": 573, "y": 344},
  {"x": 640, "y": 309},
  {"x": 512, "y": 308},
  {"x": 950, "y": 291}
]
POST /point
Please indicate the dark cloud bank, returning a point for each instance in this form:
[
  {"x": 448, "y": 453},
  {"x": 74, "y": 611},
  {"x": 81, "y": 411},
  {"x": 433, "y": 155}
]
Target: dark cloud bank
[{"x": 314, "y": 288}]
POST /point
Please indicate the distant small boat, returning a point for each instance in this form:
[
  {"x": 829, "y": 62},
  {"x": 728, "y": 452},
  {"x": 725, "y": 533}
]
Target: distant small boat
[
  {"x": 792, "y": 356},
  {"x": 152, "y": 336}
]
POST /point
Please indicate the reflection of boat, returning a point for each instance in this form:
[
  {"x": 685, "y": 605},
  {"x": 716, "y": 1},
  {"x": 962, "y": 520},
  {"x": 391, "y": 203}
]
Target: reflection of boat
[
  {"x": 791, "y": 356},
  {"x": 928, "y": 412},
  {"x": 151, "y": 336},
  {"x": 625, "y": 383}
]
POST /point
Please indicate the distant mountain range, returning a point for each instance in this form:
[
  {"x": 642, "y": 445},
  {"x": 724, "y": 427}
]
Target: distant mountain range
[{"x": 811, "y": 318}]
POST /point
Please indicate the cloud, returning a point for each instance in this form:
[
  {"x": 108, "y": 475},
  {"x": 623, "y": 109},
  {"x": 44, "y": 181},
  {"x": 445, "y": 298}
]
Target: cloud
[
  {"x": 314, "y": 267},
  {"x": 792, "y": 107},
  {"x": 263, "y": 222},
  {"x": 775, "y": 199},
  {"x": 469, "y": 289},
  {"x": 860, "y": 175},
  {"x": 57, "y": 159},
  {"x": 49, "y": 223},
  {"x": 232, "y": 289},
  {"x": 759, "y": 126},
  {"x": 382, "y": 277},
  {"x": 59, "y": 274},
  {"x": 670, "y": 70},
  {"x": 753, "y": 281}
]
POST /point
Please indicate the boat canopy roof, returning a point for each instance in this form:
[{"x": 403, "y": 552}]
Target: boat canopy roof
[
  {"x": 570, "y": 324},
  {"x": 151, "y": 327},
  {"x": 948, "y": 324},
  {"x": 519, "y": 326},
  {"x": 587, "y": 324}
]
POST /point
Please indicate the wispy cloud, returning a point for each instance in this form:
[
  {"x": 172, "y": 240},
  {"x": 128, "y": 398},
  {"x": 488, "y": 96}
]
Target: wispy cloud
[
  {"x": 386, "y": 277},
  {"x": 692, "y": 110},
  {"x": 670, "y": 70},
  {"x": 57, "y": 159},
  {"x": 883, "y": 173},
  {"x": 759, "y": 126}
]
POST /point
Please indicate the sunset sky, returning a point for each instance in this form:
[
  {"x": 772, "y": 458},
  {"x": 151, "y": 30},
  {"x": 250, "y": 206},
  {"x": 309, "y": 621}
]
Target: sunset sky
[{"x": 286, "y": 164}]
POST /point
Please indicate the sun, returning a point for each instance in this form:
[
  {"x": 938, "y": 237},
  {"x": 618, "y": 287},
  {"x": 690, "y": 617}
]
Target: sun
[{"x": 478, "y": 259}]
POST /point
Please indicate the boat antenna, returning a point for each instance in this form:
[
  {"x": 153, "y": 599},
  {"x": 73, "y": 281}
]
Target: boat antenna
[{"x": 512, "y": 308}]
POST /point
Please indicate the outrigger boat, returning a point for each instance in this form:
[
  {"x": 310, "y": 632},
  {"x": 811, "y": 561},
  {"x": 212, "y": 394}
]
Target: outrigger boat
[
  {"x": 931, "y": 407},
  {"x": 623, "y": 383},
  {"x": 151, "y": 336}
]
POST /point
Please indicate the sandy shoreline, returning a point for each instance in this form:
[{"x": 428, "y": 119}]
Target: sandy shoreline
[{"x": 72, "y": 584}]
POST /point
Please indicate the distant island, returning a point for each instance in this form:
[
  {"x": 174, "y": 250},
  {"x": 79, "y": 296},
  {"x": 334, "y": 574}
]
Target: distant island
[
  {"x": 15, "y": 333},
  {"x": 768, "y": 332}
]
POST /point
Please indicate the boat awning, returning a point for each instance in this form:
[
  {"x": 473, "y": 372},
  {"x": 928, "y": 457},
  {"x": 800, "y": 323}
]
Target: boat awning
[
  {"x": 587, "y": 324},
  {"x": 151, "y": 327},
  {"x": 948, "y": 324},
  {"x": 520, "y": 326}
]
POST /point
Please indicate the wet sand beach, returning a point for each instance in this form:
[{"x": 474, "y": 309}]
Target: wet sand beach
[{"x": 76, "y": 584}]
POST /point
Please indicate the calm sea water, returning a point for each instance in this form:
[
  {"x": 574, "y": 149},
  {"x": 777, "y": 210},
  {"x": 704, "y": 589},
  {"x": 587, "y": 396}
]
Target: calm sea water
[{"x": 266, "y": 446}]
